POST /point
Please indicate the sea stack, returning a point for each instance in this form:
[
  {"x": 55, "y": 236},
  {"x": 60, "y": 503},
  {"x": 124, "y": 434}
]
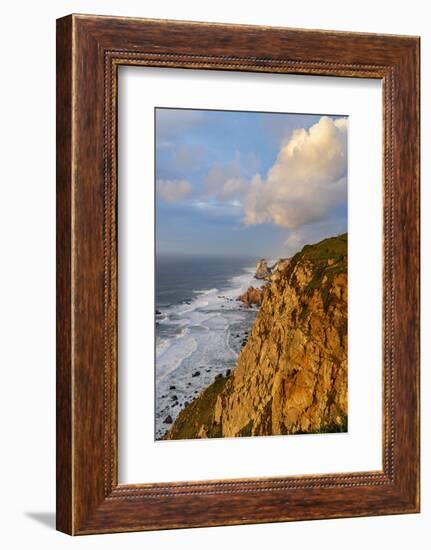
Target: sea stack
[{"x": 262, "y": 270}]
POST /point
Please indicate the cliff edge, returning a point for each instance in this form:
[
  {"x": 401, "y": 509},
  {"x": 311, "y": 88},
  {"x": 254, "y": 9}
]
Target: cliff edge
[{"x": 291, "y": 376}]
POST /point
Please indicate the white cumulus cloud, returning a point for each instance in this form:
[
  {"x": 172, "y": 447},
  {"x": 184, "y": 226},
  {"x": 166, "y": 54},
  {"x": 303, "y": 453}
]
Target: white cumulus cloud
[
  {"x": 308, "y": 178},
  {"x": 173, "y": 190}
]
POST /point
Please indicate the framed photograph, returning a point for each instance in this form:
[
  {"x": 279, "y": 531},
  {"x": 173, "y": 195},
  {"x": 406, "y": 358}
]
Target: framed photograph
[{"x": 237, "y": 274}]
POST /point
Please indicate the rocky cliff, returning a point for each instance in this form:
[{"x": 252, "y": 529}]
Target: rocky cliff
[
  {"x": 291, "y": 376},
  {"x": 278, "y": 268}
]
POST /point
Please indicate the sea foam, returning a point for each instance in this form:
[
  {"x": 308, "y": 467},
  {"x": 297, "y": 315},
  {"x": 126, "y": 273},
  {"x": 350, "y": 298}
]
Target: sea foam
[{"x": 202, "y": 339}]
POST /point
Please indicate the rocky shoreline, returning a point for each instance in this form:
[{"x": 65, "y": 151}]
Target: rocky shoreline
[
  {"x": 291, "y": 374},
  {"x": 215, "y": 328},
  {"x": 253, "y": 297}
]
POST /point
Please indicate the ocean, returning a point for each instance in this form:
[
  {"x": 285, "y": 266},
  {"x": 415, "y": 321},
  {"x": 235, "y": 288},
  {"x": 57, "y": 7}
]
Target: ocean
[{"x": 200, "y": 326}]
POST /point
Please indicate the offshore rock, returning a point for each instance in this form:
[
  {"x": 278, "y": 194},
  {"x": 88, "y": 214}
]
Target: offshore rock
[
  {"x": 252, "y": 297},
  {"x": 262, "y": 270}
]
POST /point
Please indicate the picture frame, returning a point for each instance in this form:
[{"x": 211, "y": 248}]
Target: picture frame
[{"x": 89, "y": 51}]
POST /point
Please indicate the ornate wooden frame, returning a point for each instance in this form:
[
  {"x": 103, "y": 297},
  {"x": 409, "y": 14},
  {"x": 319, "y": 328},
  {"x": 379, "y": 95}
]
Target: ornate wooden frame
[{"x": 89, "y": 51}]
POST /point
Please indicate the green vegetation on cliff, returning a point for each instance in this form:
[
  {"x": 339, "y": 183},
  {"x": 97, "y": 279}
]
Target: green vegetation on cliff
[
  {"x": 328, "y": 258},
  {"x": 199, "y": 413}
]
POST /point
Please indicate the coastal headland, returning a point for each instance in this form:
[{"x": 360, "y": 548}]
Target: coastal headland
[{"x": 291, "y": 374}]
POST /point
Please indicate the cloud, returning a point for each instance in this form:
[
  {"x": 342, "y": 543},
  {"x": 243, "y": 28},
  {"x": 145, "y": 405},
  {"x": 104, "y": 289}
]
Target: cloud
[
  {"x": 219, "y": 209},
  {"x": 296, "y": 240},
  {"x": 173, "y": 190},
  {"x": 224, "y": 181},
  {"x": 308, "y": 178},
  {"x": 226, "y": 189}
]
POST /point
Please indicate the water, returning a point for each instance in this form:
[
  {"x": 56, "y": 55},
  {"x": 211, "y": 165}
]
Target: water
[{"x": 200, "y": 326}]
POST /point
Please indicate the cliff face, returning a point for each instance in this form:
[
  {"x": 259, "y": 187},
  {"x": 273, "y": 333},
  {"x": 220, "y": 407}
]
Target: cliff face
[
  {"x": 291, "y": 377},
  {"x": 279, "y": 268}
]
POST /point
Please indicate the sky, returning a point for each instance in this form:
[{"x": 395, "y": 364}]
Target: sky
[{"x": 234, "y": 183}]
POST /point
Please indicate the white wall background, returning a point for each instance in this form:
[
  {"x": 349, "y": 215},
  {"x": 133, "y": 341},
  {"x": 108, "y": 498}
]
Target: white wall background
[{"x": 27, "y": 289}]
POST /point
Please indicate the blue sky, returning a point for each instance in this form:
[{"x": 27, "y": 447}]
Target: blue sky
[{"x": 244, "y": 183}]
